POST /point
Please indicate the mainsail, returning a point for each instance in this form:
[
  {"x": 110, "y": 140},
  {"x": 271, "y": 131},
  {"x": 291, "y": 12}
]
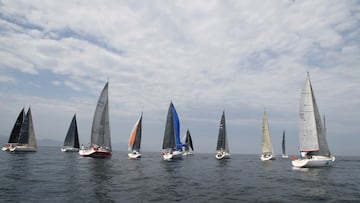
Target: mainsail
[
  {"x": 100, "y": 131},
  {"x": 135, "y": 136},
  {"x": 222, "y": 143},
  {"x": 188, "y": 141},
  {"x": 27, "y": 133},
  {"x": 312, "y": 133},
  {"x": 172, "y": 130},
  {"x": 283, "y": 143},
  {"x": 15, "y": 132},
  {"x": 266, "y": 141},
  {"x": 72, "y": 136}
]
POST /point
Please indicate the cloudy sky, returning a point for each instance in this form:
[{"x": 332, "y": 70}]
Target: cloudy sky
[{"x": 205, "y": 56}]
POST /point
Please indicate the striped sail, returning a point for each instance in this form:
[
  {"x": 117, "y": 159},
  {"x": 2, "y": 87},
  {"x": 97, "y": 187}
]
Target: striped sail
[
  {"x": 135, "y": 136},
  {"x": 172, "y": 130}
]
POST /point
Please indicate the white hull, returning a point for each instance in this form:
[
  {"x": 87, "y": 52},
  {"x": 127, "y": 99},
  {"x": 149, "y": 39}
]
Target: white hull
[
  {"x": 222, "y": 155},
  {"x": 7, "y": 147},
  {"x": 313, "y": 162},
  {"x": 186, "y": 153},
  {"x": 284, "y": 156},
  {"x": 267, "y": 157},
  {"x": 134, "y": 155},
  {"x": 95, "y": 152},
  {"x": 172, "y": 155},
  {"x": 69, "y": 149},
  {"x": 22, "y": 148}
]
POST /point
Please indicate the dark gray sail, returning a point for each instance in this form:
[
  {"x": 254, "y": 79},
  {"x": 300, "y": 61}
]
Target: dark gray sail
[
  {"x": 188, "y": 141},
  {"x": 27, "y": 133},
  {"x": 72, "y": 136},
  {"x": 283, "y": 143},
  {"x": 15, "y": 132},
  {"x": 222, "y": 143},
  {"x": 169, "y": 138},
  {"x": 100, "y": 131}
]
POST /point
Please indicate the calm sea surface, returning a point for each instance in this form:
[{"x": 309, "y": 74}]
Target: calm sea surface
[{"x": 49, "y": 175}]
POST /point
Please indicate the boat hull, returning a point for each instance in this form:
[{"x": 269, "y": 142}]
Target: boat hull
[
  {"x": 222, "y": 155},
  {"x": 22, "y": 148},
  {"x": 95, "y": 152},
  {"x": 313, "y": 162},
  {"x": 7, "y": 147},
  {"x": 172, "y": 155},
  {"x": 69, "y": 149},
  {"x": 284, "y": 156},
  {"x": 134, "y": 155},
  {"x": 267, "y": 157}
]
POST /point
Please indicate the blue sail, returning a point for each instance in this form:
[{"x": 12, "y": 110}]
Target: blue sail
[{"x": 178, "y": 143}]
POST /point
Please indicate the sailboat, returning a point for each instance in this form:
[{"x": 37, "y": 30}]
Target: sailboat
[
  {"x": 71, "y": 142},
  {"x": 284, "y": 155},
  {"x": 172, "y": 146},
  {"x": 100, "y": 145},
  {"x": 312, "y": 134},
  {"x": 188, "y": 144},
  {"x": 267, "y": 148},
  {"x": 135, "y": 140},
  {"x": 27, "y": 140},
  {"x": 15, "y": 132},
  {"x": 222, "y": 147}
]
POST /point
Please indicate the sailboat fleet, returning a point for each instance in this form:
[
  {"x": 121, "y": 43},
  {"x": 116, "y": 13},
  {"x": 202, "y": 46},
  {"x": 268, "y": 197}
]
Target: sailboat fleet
[{"x": 313, "y": 145}]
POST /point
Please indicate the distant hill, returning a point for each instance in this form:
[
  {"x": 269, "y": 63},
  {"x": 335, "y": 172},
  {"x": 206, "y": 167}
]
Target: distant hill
[
  {"x": 3, "y": 139},
  {"x": 48, "y": 142},
  {"x": 40, "y": 142},
  {"x": 52, "y": 143}
]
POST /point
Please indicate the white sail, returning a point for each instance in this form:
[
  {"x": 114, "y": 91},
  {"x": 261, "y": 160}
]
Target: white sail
[
  {"x": 311, "y": 130},
  {"x": 312, "y": 134},
  {"x": 307, "y": 123},
  {"x": 100, "y": 131},
  {"x": 267, "y": 147}
]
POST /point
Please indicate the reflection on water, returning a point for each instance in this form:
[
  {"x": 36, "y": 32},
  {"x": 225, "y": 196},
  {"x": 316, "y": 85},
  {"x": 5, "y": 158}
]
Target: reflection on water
[
  {"x": 101, "y": 179},
  {"x": 135, "y": 167},
  {"x": 318, "y": 178}
]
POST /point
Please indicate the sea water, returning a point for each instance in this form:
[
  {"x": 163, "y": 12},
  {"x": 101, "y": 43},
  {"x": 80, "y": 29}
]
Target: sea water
[{"x": 50, "y": 175}]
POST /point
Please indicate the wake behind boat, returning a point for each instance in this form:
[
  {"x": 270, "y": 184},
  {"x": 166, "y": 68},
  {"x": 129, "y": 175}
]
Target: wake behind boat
[
  {"x": 267, "y": 148},
  {"x": 222, "y": 147},
  {"x": 71, "y": 142},
  {"x": 172, "y": 146},
  {"x": 100, "y": 145},
  {"x": 135, "y": 140},
  {"x": 312, "y": 133}
]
